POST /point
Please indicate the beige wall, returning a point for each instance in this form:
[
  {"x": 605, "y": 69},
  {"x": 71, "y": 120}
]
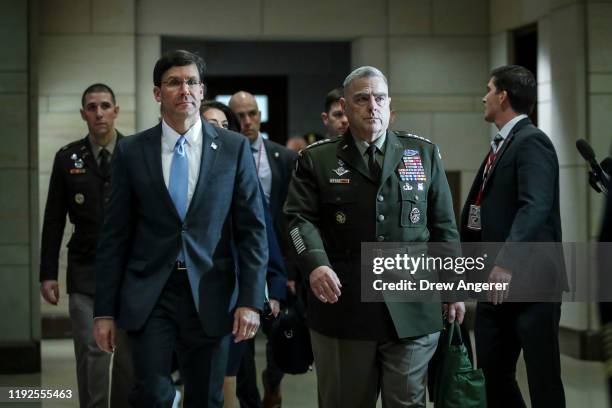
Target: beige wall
[{"x": 435, "y": 53}]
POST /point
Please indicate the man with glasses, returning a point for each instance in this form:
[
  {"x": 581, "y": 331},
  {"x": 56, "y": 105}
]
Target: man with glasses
[
  {"x": 184, "y": 215},
  {"x": 79, "y": 187},
  {"x": 371, "y": 184}
]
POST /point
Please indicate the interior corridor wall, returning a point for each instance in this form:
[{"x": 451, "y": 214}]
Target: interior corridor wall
[{"x": 20, "y": 322}]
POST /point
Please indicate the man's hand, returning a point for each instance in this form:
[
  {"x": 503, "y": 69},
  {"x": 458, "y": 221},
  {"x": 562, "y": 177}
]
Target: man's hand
[
  {"x": 104, "y": 332},
  {"x": 274, "y": 307},
  {"x": 49, "y": 289},
  {"x": 454, "y": 311},
  {"x": 291, "y": 286},
  {"x": 325, "y": 284},
  {"x": 246, "y": 323},
  {"x": 499, "y": 275}
]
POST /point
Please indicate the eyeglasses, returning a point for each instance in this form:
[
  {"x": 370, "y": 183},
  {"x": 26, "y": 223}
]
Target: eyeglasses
[{"x": 175, "y": 83}]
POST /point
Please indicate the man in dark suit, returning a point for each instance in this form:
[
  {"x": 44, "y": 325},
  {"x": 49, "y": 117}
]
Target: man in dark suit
[
  {"x": 184, "y": 215},
  {"x": 79, "y": 187},
  {"x": 515, "y": 199},
  {"x": 274, "y": 164}
]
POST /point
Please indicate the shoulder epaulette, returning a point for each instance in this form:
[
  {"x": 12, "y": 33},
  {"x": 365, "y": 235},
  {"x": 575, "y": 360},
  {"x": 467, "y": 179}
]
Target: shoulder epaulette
[
  {"x": 69, "y": 145},
  {"x": 402, "y": 133},
  {"x": 322, "y": 142}
]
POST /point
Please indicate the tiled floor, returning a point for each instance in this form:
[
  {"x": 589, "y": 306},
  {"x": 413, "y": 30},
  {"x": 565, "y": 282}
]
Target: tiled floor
[{"x": 584, "y": 381}]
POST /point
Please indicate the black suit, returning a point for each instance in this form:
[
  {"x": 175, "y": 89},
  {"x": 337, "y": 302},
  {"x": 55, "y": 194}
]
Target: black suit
[
  {"x": 282, "y": 161},
  {"x": 520, "y": 203},
  {"x": 138, "y": 284}
]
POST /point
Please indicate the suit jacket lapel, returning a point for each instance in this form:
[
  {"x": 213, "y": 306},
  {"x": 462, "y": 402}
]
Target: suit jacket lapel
[
  {"x": 211, "y": 144},
  {"x": 274, "y": 160},
  {"x": 393, "y": 154},
  {"x": 152, "y": 155},
  {"x": 348, "y": 152},
  {"x": 521, "y": 124}
]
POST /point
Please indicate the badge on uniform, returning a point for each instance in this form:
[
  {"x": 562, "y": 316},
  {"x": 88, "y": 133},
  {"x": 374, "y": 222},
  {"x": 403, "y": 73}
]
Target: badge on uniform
[
  {"x": 340, "y": 217},
  {"x": 213, "y": 145},
  {"x": 340, "y": 170},
  {"x": 415, "y": 215},
  {"x": 79, "y": 198},
  {"x": 339, "y": 180},
  {"x": 407, "y": 187},
  {"x": 420, "y": 186},
  {"x": 78, "y": 171},
  {"x": 474, "y": 218},
  {"x": 78, "y": 162},
  {"x": 413, "y": 167}
]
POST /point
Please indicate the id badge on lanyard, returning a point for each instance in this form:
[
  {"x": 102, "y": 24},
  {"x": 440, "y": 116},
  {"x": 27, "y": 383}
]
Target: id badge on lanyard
[
  {"x": 474, "y": 218},
  {"x": 474, "y": 221}
]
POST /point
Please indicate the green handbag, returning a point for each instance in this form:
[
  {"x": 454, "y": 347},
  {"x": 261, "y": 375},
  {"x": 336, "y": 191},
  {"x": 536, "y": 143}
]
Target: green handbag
[{"x": 457, "y": 384}]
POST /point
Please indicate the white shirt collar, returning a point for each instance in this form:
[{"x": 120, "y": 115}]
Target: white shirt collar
[
  {"x": 258, "y": 143},
  {"x": 170, "y": 136},
  {"x": 505, "y": 131}
]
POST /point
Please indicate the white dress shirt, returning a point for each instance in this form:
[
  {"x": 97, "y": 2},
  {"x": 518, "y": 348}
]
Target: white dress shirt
[
  {"x": 262, "y": 164},
  {"x": 505, "y": 131},
  {"x": 193, "y": 150}
]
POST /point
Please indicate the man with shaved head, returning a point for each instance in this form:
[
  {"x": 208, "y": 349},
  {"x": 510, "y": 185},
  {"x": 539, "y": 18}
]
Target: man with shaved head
[{"x": 274, "y": 164}]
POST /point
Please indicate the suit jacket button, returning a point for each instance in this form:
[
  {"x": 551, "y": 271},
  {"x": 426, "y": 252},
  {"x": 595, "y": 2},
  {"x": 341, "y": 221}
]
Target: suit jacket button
[
  {"x": 380, "y": 198},
  {"x": 380, "y": 218},
  {"x": 380, "y": 238}
]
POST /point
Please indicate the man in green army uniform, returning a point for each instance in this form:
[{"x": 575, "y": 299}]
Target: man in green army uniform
[{"x": 370, "y": 184}]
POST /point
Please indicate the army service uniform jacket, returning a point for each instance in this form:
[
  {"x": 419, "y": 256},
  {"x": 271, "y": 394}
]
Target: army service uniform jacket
[
  {"x": 333, "y": 205},
  {"x": 79, "y": 189}
]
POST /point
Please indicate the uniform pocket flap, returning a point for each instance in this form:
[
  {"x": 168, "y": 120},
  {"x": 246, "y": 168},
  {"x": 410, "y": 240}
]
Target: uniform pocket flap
[{"x": 413, "y": 195}]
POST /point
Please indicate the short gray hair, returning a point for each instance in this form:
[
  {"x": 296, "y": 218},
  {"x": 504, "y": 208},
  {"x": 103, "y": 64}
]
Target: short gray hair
[{"x": 361, "y": 72}]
